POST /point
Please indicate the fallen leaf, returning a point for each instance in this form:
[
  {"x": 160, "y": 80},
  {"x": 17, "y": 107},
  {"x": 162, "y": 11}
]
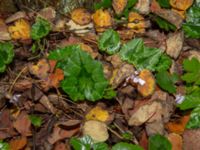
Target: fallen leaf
[
  {"x": 81, "y": 16},
  {"x": 96, "y": 130},
  {"x": 181, "y": 4},
  {"x": 60, "y": 146},
  {"x": 47, "y": 104},
  {"x": 59, "y": 134},
  {"x": 18, "y": 144},
  {"x": 41, "y": 69},
  {"x": 178, "y": 127},
  {"x": 174, "y": 44},
  {"x": 48, "y": 13},
  {"x": 148, "y": 87},
  {"x": 119, "y": 5},
  {"x": 20, "y": 30},
  {"x": 102, "y": 20},
  {"x": 97, "y": 113},
  {"x": 155, "y": 127},
  {"x": 145, "y": 112},
  {"x": 143, "y": 142},
  {"x": 143, "y": 6},
  {"x": 22, "y": 85},
  {"x": 23, "y": 124},
  {"x": 176, "y": 141},
  {"x": 89, "y": 50},
  {"x": 4, "y": 34},
  {"x": 191, "y": 139},
  {"x": 16, "y": 16}
]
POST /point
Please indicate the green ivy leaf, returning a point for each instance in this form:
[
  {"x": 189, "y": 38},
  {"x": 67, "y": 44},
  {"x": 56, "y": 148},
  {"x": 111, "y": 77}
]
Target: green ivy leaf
[
  {"x": 164, "y": 63},
  {"x": 166, "y": 81},
  {"x": 164, "y": 3},
  {"x": 109, "y": 42},
  {"x": 158, "y": 142},
  {"x": 140, "y": 56},
  {"x": 40, "y": 28},
  {"x": 128, "y": 8},
  {"x": 164, "y": 24},
  {"x": 100, "y": 146},
  {"x": 194, "y": 121},
  {"x": 109, "y": 93},
  {"x": 84, "y": 77},
  {"x": 35, "y": 120},
  {"x": 103, "y": 4},
  {"x": 192, "y": 100},
  {"x": 6, "y": 55},
  {"x": 192, "y": 68},
  {"x": 126, "y": 146},
  {"x": 192, "y": 25},
  {"x": 83, "y": 143},
  {"x": 4, "y": 145}
]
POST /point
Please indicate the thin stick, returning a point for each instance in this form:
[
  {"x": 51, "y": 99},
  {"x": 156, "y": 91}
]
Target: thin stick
[{"x": 115, "y": 133}]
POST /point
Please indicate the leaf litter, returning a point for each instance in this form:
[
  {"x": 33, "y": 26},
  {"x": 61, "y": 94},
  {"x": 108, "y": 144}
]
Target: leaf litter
[{"x": 117, "y": 74}]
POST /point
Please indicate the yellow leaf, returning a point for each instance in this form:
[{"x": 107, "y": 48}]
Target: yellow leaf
[
  {"x": 181, "y": 4},
  {"x": 119, "y": 5},
  {"x": 81, "y": 16},
  {"x": 20, "y": 30},
  {"x": 97, "y": 113}
]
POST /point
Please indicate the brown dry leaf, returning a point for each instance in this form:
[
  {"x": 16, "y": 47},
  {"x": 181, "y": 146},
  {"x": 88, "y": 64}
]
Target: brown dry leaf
[
  {"x": 88, "y": 49},
  {"x": 60, "y": 146},
  {"x": 16, "y": 16},
  {"x": 97, "y": 113},
  {"x": 48, "y": 13},
  {"x": 59, "y": 134},
  {"x": 148, "y": 87},
  {"x": 178, "y": 127},
  {"x": 136, "y": 22},
  {"x": 23, "y": 124},
  {"x": 181, "y": 4},
  {"x": 174, "y": 44},
  {"x": 81, "y": 16},
  {"x": 18, "y": 144},
  {"x": 144, "y": 140},
  {"x": 180, "y": 12},
  {"x": 96, "y": 129},
  {"x": 119, "y": 5},
  {"x": 143, "y": 6},
  {"x": 4, "y": 34},
  {"x": 176, "y": 141},
  {"x": 41, "y": 69},
  {"x": 102, "y": 20},
  {"x": 22, "y": 85},
  {"x": 191, "y": 139},
  {"x": 20, "y": 30}
]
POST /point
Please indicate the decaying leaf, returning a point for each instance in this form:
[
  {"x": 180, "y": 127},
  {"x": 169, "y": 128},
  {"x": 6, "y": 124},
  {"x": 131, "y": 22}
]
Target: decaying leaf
[
  {"x": 4, "y": 34},
  {"x": 102, "y": 20},
  {"x": 148, "y": 87},
  {"x": 136, "y": 22},
  {"x": 41, "y": 69},
  {"x": 88, "y": 49},
  {"x": 97, "y": 113},
  {"x": 18, "y": 144},
  {"x": 178, "y": 127},
  {"x": 176, "y": 141},
  {"x": 22, "y": 85},
  {"x": 191, "y": 139},
  {"x": 48, "y": 13},
  {"x": 23, "y": 124},
  {"x": 143, "y": 6},
  {"x": 144, "y": 113},
  {"x": 119, "y": 5},
  {"x": 20, "y": 30},
  {"x": 96, "y": 129},
  {"x": 81, "y": 16},
  {"x": 175, "y": 44},
  {"x": 15, "y": 17},
  {"x": 181, "y": 4}
]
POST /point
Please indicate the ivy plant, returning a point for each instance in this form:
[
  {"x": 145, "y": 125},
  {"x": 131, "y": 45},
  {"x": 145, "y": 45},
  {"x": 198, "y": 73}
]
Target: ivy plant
[
  {"x": 35, "y": 120},
  {"x": 109, "y": 42},
  {"x": 84, "y": 77},
  {"x": 4, "y": 145},
  {"x": 126, "y": 146},
  {"x": 142, "y": 57},
  {"x": 6, "y": 55},
  {"x": 164, "y": 24}
]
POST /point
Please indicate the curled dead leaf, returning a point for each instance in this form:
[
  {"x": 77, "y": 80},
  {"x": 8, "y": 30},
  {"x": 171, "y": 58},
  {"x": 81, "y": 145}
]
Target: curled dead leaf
[
  {"x": 20, "y": 30},
  {"x": 96, "y": 129},
  {"x": 97, "y": 113},
  {"x": 81, "y": 16},
  {"x": 102, "y": 20},
  {"x": 119, "y": 5},
  {"x": 148, "y": 87}
]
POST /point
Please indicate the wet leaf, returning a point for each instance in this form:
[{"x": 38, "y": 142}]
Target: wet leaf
[
  {"x": 109, "y": 42},
  {"x": 81, "y": 16},
  {"x": 40, "y": 28},
  {"x": 157, "y": 142},
  {"x": 97, "y": 113},
  {"x": 20, "y": 30},
  {"x": 126, "y": 146}
]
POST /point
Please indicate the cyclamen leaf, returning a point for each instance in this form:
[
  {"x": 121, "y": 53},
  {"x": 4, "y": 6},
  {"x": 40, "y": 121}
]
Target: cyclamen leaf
[
  {"x": 4, "y": 145},
  {"x": 103, "y": 4},
  {"x": 35, "y": 120},
  {"x": 164, "y": 24},
  {"x": 100, "y": 146},
  {"x": 142, "y": 57},
  {"x": 158, "y": 142},
  {"x": 40, "y": 28},
  {"x": 192, "y": 68},
  {"x": 166, "y": 81},
  {"x": 194, "y": 121},
  {"x": 164, "y": 3},
  {"x": 164, "y": 63},
  {"x": 6, "y": 55},
  {"x": 109, "y": 42},
  {"x": 126, "y": 146},
  {"x": 84, "y": 77}
]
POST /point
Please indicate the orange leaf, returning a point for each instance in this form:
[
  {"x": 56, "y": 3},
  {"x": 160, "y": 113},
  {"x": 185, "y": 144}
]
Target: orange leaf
[
  {"x": 20, "y": 30},
  {"x": 178, "y": 127},
  {"x": 18, "y": 144},
  {"x": 81, "y": 16},
  {"x": 181, "y": 4},
  {"x": 176, "y": 141}
]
